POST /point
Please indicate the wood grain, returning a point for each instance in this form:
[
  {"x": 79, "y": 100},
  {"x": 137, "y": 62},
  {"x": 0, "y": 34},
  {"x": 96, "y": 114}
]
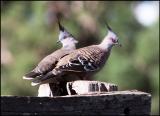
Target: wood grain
[{"x": 107, "y": 103}]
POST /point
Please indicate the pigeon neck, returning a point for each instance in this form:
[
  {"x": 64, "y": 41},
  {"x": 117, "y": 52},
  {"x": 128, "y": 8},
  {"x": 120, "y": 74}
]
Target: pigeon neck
[
  {"x": 106, "y": 44},
  {"x": 69, "y": 46}
]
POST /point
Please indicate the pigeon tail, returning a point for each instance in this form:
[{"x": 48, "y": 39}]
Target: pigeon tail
[
  {"x": 31, "y": 75},
  {"x": 49, "y": 77}
]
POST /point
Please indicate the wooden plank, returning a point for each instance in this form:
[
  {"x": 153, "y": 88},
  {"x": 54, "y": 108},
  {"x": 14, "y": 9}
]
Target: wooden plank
[{"x": 107, "y": 103}]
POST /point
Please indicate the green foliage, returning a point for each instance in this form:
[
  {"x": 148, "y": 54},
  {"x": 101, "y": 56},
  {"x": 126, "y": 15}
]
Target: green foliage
[{"x": 29, "y": 34}]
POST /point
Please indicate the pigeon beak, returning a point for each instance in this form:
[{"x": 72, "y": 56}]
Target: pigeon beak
[
  {"x": 119, "y": 44},
  {"x": 58, "y": 41}
]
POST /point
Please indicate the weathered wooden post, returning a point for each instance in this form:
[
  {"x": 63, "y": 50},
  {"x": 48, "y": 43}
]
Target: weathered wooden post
[{"x": 98, "y": 99}]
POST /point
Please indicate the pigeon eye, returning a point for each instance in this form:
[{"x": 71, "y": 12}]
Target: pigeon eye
[
  {"x": 65, "y": 37},
  {"x": 113, "y": 40}
]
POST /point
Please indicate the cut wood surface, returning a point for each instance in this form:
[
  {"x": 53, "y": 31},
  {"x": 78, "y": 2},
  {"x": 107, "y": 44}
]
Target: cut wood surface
[
  {"x": 89, "y": 87},
  {"x": 44, "y": 91},
  {"x": 75, "y": 87},
  {"x": 107, "y": 103}
]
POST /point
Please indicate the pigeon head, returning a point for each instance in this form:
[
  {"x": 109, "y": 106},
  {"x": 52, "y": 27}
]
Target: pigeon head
[
  {"x": 112, "y": 37},
  {"x": 65, "y": 37}
]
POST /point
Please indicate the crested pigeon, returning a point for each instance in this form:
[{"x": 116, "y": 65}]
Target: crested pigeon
[
  {"x": 49, "y": 62},
  {"x": 82, "y": 62}
]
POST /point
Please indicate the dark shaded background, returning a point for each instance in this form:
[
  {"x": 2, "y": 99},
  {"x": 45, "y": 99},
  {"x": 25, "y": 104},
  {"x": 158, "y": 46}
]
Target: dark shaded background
[{"x": 29, "y": 32}]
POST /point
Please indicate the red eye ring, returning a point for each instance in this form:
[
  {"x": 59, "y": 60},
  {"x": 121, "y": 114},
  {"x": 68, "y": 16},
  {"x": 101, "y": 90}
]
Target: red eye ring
[
  {"x": 113, "y": 40},
  {"x": 65, "y": 37}
]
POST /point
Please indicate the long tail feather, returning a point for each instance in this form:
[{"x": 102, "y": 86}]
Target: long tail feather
[
  {"x": 49, "y": 77},
  {"x": 31, "y": 75}
]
